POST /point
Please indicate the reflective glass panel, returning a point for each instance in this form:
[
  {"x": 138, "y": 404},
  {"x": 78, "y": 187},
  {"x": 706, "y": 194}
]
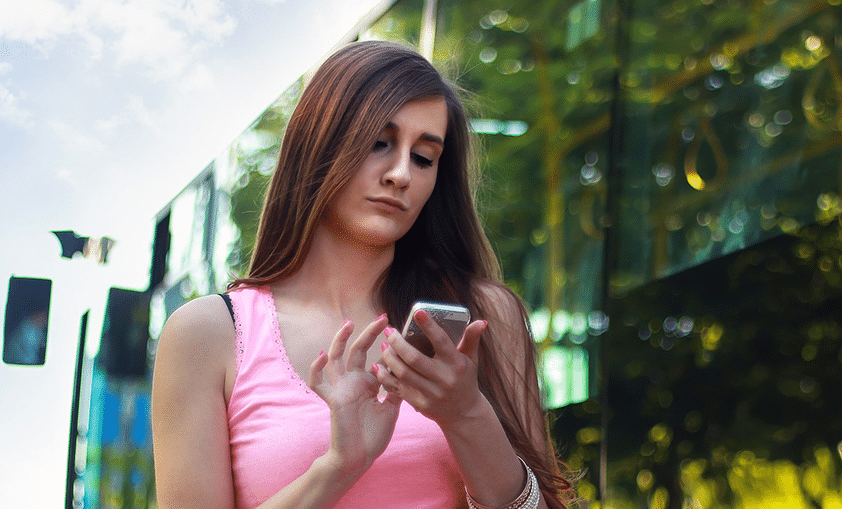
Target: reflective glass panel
[
  {"x": 723, "y": 360},
  {"x": 731, "y": 131},
  {"x": 252, "y": 159},
  {"x": 401, "y": 23},
  {"x": 544, "y": 90},
  {"x": 188, "y": 227}
]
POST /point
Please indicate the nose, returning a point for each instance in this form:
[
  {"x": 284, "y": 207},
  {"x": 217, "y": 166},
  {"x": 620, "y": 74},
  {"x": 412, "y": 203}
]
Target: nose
[{"x": 398, "y": 173}]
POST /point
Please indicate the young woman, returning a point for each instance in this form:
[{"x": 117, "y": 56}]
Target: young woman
[{"x": 369, "y": 210}]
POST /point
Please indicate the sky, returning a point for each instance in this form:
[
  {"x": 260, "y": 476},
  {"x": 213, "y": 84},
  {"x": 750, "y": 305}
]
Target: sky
[{"x": 108, "y": 108}]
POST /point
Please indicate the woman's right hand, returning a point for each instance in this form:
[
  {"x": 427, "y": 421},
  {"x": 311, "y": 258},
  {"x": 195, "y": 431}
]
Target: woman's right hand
[{"x": 361, "y": 424}]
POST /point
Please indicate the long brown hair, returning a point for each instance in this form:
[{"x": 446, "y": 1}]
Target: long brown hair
[{"x": 445, "y": 256}]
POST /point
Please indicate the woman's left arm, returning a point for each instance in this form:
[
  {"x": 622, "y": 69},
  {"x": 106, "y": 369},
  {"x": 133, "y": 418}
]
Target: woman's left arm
[{"x": 445, "y": 389}]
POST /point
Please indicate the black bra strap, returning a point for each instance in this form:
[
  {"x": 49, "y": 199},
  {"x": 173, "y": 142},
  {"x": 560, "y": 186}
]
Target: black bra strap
[{"x": 227, "y": 299}]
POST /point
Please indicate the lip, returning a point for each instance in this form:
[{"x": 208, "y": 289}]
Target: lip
[{"x": 389, "y": 201}]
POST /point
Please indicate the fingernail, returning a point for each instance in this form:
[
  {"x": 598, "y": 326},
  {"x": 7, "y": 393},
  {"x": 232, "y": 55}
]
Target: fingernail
[
  {"x": 381, "y": 316},
  {"x": 346, "y": 322},
  {"x": 321, "y": 353},
  {"x": 421, "y": 315},
  {"x": 388, "y": 331},
  {"x": 375, "y": 368},
  {"x": 484, "y": 324},
  {"x": 383, "y": 346}
]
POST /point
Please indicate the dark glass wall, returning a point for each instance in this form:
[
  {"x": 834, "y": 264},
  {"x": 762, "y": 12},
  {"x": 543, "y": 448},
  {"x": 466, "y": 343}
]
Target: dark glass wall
[
  {"x": 731, "y": 128},
  {"x": 663, "y": 184},
  {"x": 723, "y": 359}
]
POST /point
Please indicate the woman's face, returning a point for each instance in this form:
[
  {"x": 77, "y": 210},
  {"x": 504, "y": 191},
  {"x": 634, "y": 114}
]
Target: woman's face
[{"x": 384, "y": 197}]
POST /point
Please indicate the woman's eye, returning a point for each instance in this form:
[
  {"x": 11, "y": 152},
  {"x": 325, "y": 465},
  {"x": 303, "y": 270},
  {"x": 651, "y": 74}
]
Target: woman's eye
[
  {"x": 421, "y": 160},
  {"x": 380, "y": 145}
]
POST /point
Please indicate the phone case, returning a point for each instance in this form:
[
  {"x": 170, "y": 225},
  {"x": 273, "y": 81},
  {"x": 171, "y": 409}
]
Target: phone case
[{"x": 452, "y": 318}]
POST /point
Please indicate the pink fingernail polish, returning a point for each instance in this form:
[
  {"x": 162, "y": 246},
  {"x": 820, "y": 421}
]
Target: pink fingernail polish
[
  {"x": 375, "y": 368},
  {"x": 381, "y": 316},
  {"x": 383, "y": 346},
  {"x": 421, "y": 315},
  {"x": 388, "y": 331},
  {"x": 321, "y": 353}
]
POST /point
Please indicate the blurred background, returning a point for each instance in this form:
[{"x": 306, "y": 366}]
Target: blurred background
[{"x": 662, "y": 183}]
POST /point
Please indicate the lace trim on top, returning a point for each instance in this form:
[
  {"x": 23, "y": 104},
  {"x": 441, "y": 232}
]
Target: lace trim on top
[
  {"x": 238, "y": 335},
  {"x": 269, "y": 299}
]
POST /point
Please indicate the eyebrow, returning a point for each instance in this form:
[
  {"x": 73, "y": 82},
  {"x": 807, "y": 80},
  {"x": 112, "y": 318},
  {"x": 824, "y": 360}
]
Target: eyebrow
[{"x": 424, "y": 136}]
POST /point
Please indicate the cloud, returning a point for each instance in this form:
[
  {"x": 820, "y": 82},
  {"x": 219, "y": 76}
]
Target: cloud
[
  {"x": 65, "y": 175},
  {"x": 139, "y": 111},
  {"x": 10, "y": 109},
  {"x": 134, "y": 112},
  {"x": 35, "y": 21},
  {"x": 74, "y": 140},
  {"x": 165, "y": 38}
]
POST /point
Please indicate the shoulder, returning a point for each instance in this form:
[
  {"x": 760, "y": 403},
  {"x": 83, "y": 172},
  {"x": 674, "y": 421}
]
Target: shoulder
[
  {"x": 199, "y": 333},
  {"x": 208, "y": 315}
]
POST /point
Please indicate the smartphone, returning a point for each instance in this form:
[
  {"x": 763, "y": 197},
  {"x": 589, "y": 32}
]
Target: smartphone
[{"x": 453, "y": 318}]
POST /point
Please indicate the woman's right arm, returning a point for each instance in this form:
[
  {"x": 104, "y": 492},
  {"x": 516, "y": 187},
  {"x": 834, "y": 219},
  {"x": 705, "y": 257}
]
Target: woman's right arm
[{"x": 190, "y": 425}]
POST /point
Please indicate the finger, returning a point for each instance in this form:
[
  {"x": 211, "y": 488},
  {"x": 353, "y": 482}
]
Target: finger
[
  {"x": 358, "y": 351},
  {"x": 409, "y": 367},
  {"x": 469, "y": 345},
  {"x": 393, "y": 399},
  {"x": 442, "y": 344},
  {"x": 385, "y": 377},
  {"x": 337, "y": 347},
  {"x": 406, "y": 353},
  {"x": 317, "y": 373}
]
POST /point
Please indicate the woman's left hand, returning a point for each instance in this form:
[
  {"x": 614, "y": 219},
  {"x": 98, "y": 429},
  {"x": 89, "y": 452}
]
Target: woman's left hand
[{"x": 443, "y": 387}]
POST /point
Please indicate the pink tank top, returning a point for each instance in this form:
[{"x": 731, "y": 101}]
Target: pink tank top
[{"x": 278, "y": 427}]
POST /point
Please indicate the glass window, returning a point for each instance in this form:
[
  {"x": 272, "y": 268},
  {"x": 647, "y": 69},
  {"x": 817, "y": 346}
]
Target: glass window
[
  {"x": 401, "y": 23},
  {"x": 252, "y": 160},
  {"x": 189, "y": 213},
  {"x": 728, "y": 129},
  {"x": 703, "y": 141},
  {"x": 723, "y": 360},
  {"x": 545, "y": 91}
]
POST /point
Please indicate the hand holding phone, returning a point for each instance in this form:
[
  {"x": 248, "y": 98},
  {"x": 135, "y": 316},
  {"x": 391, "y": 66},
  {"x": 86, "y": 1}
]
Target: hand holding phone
[{"x": 453, "y": 318}]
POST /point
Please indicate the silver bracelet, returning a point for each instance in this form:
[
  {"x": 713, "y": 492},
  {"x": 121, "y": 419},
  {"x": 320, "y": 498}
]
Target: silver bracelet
[{"x": 528, "y": 499}]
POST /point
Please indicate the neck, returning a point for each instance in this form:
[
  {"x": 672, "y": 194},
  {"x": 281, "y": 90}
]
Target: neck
[{"x": 338, "y": 276}]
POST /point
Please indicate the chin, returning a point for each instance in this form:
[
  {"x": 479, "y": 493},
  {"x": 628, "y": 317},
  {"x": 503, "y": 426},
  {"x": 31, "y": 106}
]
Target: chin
[
  {"x": 381, "y": 238},
  {"x": 379, "y": 234}
]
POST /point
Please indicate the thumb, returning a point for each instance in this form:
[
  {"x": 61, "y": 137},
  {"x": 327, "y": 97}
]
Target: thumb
[{"x": 469, "y": 345}]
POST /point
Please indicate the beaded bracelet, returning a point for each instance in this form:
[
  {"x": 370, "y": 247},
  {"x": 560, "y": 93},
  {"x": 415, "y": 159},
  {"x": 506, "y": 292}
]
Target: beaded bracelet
[{"x": 528, "y": 499}]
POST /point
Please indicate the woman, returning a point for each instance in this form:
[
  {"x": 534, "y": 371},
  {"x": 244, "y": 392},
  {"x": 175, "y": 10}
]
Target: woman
[{"x": 370, "y": 209}]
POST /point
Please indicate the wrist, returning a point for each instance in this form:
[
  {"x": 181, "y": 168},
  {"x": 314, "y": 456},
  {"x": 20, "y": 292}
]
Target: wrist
[
  {"x": 480, "y": 413},
  {"x": 337, "y": 473}
]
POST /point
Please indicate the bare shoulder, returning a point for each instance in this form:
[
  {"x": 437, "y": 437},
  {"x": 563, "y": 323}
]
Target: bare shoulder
[
  {"x": 204, "y": 314},
  {"x": 199, "y": 333}
]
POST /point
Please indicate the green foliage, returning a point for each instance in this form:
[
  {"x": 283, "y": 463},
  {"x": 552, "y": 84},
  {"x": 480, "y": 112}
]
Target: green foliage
[
  {"x": 256, "y": 152},
  {"x": 513, "y": 56}
]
